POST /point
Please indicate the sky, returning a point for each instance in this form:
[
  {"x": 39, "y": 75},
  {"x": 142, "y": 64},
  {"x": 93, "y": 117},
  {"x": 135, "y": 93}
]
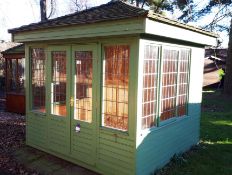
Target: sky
[{"x": 15, "y": 13}]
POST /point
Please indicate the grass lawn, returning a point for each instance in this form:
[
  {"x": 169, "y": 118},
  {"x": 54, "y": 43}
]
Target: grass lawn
[{"x": 213, "y": 156}]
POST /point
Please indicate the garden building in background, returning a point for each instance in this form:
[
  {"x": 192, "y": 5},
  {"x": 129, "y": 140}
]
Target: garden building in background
[
  {"x": 14, "y": 79},
  {"x": 115, "y": 88}
]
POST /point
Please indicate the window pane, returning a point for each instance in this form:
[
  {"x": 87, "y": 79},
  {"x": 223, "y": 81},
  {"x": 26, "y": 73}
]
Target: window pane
[
  {"x": 58, "y": 93},
  {"x": 12, "y": 83},
  {"x": 83, "y": 83},
  {"x": 21, "y": 75},
  {"x": 169, "y": 83},
  {"x": 150, "y": 70},
  {"x": 115, "y": 87},
  {"x": 183, "y": 82},
  {"x": 38, "y": 79}
]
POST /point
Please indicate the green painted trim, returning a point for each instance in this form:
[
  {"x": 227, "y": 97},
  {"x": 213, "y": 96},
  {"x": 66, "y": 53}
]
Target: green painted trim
[
  {"x": 27, "y": 89},
  {"x": 85, "y": 125},
  {"x": 133, "y": 74},
  {"x": 65, "y": 121},
  {"x": 133, "y": 86},
  {"x": 120, "y": 27},
  {"x": 28, "y": 52}
]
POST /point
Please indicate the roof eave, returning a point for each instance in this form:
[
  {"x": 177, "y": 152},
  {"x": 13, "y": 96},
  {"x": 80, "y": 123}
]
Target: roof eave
[{"x": 162, "y": 19}]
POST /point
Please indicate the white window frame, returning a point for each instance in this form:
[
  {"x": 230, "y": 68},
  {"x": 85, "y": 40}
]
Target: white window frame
[{"x": 161, "y": 47}]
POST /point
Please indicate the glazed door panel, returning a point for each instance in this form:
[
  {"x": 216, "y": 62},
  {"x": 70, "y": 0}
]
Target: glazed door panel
[
  {"x": 58, "y": 91},
  {"x": 83, "y": 113}
]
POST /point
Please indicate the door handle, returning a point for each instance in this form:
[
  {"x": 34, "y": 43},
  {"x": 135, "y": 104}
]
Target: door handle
[{"x": 71, "y": 102}]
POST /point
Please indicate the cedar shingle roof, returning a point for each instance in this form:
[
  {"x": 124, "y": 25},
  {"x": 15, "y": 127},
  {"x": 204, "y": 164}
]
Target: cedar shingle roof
[
  {"x": 107, "y": 12},
  {"x": 114, "y": 10}
]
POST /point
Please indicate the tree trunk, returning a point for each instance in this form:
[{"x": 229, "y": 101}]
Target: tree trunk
[
  {"x": 228, "y": 75},
  {"x": 43, "y": 10},
  {"x": 137, "y": 3}
]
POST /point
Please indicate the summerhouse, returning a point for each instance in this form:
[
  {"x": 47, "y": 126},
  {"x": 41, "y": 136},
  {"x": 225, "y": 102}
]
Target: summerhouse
[
  {"x": 115, "y": 88},
  {"x": 14, "y": 79}
]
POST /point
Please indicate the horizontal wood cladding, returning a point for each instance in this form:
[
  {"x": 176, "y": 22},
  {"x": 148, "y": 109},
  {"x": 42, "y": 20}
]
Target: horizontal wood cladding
[
  {"x": 36, "y": 130},
  {"x": 58, "y": 135},
  {"x": 133, "y": 26},
  {"x": 157, "y": 147},
  {"x": 115, "y": 153},
  {"x": 83, "y": 146}
]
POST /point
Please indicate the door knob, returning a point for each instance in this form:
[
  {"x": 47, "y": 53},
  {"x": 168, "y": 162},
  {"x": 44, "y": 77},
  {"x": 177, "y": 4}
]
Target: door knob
[{"x": 71, "y": 102}]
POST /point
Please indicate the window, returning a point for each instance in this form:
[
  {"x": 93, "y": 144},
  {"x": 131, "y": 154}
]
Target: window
[
  {"x": 115, "y": 87},
  {"x": 15, "y": 75},
  {"x": 58, "y": 83},
  {"x": 174, "y": 76},
  {"x": 83, "y": 83},
  {"x": 21, "y": 75},
  {"x": 150, "y": 72},
  {"x": 183, "y": 82},
  {"x": 169, "y": 84},
  {"x": 38, "y": 79},
  {"x": 11, "y": 75}
]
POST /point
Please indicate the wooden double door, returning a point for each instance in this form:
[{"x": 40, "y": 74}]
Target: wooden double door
[{"x": 72, "y": 92}]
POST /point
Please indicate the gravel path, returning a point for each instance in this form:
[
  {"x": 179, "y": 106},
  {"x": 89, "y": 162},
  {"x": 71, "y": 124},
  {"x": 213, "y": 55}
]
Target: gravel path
[{"x": 12, "y": 137}]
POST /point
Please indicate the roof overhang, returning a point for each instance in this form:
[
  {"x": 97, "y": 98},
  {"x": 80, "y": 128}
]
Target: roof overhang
[
  {"x": 117, "y": 28},
  {"x": 115, "y": 18},
  {"x": 176, "y": 31}
]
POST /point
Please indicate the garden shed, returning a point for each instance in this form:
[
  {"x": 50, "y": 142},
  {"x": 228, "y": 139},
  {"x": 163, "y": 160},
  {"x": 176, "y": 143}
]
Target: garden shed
[
  {"x": 115, "y": 88},
  {"x": 14, "y": 79}
]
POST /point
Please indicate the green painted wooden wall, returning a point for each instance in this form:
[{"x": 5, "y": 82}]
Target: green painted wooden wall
[{"x": 101, "y": 149}]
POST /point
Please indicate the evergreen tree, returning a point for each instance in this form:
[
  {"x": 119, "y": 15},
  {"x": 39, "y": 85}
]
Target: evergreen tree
[
  {"x": 223, "y": 10},
  {"x": 192, "y": 13}
]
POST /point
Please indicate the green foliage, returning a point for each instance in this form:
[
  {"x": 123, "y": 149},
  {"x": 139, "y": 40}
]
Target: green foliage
[
  {"x": 221, "y": 73},
  {"x": 158, "y": 6},
  {"x": 219, "y": 9}
]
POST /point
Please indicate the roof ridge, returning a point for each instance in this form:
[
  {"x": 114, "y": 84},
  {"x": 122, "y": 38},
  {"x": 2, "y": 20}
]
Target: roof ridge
[{"x": 78, "y": 12}]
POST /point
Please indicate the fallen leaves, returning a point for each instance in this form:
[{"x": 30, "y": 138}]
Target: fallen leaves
[{"x": 12, "y": 137}]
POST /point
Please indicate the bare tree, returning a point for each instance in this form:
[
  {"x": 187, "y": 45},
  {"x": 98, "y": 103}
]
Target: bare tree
[
  {"x": 52, "y": 5},
  {"x": 44, "y": 8},
  {"x": 79, "y": 5}
]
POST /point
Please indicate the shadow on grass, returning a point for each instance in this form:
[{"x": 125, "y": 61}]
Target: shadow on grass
[
  {"x": 213, "y": 155},
  {"x": 216, "y": 129}
]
